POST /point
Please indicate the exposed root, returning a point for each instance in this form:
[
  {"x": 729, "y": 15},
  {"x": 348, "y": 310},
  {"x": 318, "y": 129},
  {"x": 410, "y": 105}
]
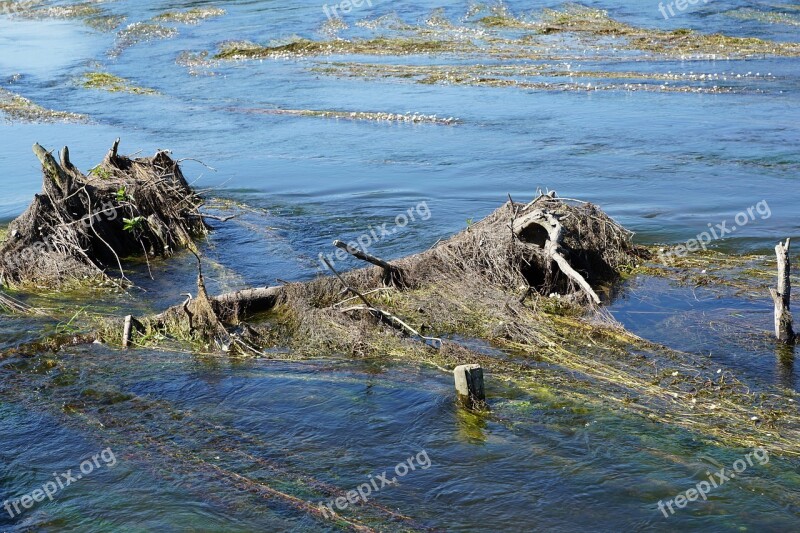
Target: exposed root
[{"x": 82, "y": 225}]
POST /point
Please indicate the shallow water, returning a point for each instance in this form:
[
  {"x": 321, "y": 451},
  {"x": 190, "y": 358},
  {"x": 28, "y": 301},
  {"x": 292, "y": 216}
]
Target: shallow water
[{"x": 664, "y": 164}]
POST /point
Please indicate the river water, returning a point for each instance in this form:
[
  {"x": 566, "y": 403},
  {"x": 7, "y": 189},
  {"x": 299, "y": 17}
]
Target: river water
[{"x": 666, "y": 164}]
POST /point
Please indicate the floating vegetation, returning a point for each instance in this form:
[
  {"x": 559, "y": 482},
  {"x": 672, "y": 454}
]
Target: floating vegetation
[
  {"x": 332, "y": 27},
  {"x": 516, "y": 76},
  {"x": 105, "y": 22},
  {"x": 194, "y": 15},
  {"x": 582, "y": 19},
  {"x": 500, "y": 17},
  {"x": 573, "y": 33},
  {"x": 767, "y": 17},
  {"x": 92, "y": 15},
  {"x": 141, "y": 32},
  {"x": 17, "y": 107},
  {"x": 67, "y": 11},
  {"x": 409, "y": 118},
  {"x": 112, "y": 83},
  {"x": 198, "y": 63},
  {"x": 386, "y": 22},
  {"x": 383, "y": 46},
  {"x": 21, "y": 7},
  {"x": 717, "y": 45}
]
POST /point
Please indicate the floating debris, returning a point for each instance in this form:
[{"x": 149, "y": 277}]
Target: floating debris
[
  {"x": 17, "y": 107},
  {"x": 191, "y": 16},
  {"x": 112, "y": 83}
]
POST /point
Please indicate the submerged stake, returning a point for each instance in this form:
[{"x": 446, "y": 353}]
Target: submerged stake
[{"x": 469, "y": 385}]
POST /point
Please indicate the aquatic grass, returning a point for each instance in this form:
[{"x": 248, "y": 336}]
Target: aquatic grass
[
  {"x": 750, "y": 275},
  {"x": 407, "y": 118},
  {"x": 66, "y": 11},
  {"x": 140, "y": 32},
  {"x": 16, "y": 107},
  {"x": 306, "y": 48},
  {"x": 766, "y": 17},
  {"x": 581, "y": 19},
  {"x": 90, "y": 12},
  {"x": 105, "y": 23},
  {"x": 518, "y": 76},
  {"x": 111, "y": 83},
  {"x": 194, "y": 15}
]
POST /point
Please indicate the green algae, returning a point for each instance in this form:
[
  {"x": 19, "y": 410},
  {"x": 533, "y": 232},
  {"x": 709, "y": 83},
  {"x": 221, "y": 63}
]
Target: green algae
[
  {"x": 17, "y": 107},
  {"x": 194, "y": 15},
  {"x": 111, "y": 83}
]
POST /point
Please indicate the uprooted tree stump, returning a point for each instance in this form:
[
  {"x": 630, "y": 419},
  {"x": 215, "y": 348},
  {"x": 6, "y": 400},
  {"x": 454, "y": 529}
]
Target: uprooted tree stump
[
  {"x": 81, "y": 226},
  {"x": 549, "y": 247}
]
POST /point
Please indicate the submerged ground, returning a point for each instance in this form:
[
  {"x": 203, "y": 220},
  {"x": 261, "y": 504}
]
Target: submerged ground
[{"x": 444, "y": 112}]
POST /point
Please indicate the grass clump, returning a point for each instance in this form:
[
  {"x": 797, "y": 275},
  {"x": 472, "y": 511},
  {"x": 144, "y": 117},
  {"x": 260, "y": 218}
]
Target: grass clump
[{"x": 111, "y": 83}]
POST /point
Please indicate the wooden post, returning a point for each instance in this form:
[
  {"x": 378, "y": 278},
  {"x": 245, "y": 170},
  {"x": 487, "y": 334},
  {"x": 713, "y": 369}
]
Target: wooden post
[
  {"x": 126, "y": 332},
  {"x": 783, "y": 295},
  {"x": 469, "y": 386}
]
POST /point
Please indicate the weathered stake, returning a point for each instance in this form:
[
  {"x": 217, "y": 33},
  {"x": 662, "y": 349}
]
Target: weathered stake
[
  {"x": 783, "y": 295},
  {"x": 126, "y": 332},
  {"x": 469, "y": 386}
]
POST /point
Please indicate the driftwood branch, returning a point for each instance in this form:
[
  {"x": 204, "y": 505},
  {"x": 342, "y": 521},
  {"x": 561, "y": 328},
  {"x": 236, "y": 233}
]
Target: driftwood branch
[
  {"x": 783, "y": 295},
  {"x": 552, "y": 245},
  {"x": 392, "y": 275}
]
